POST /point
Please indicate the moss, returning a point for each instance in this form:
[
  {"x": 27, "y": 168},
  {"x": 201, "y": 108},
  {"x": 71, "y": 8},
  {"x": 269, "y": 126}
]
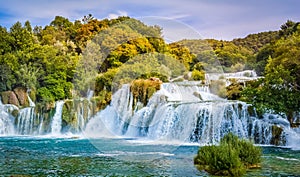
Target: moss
[
  {"x": 233, "y": 91},
  {"x": 143, "y": 89},
  {"x": 15, "y": 112},
  {"x": 32, "y": 95},
  {"x": 46, "y": 110},
  {"x": 100, "y": 101},
  {"x": 68, "y": 112},
  {"x": 74, "y": 109}
]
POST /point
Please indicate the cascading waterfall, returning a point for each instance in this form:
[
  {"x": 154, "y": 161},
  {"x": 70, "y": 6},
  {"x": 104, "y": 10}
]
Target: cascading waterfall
[
  {"x": 42, "y": 120},
  {"x": 180, "y": 112},
  {"x": 56, "y": 121},
  {"x": 185, "y": 112}
]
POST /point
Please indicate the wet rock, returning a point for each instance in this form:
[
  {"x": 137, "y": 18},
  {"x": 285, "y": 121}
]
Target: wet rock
[
  {"x": 198, "y": 95},
  {"x": 277, "y": 136}
]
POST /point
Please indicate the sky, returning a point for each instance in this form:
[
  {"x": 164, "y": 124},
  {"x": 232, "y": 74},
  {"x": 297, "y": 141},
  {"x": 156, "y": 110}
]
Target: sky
[{"x": 226, "y": 19}]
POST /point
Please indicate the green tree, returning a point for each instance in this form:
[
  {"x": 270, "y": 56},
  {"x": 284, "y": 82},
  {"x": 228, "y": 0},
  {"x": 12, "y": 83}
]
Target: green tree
[
  {"x": 6, "y": 41},
  {"x": 280, "y": 89},
  {"x": 21, "y": 37}
]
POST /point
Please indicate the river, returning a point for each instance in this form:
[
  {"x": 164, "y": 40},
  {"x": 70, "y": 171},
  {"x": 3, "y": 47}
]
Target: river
[{"x": 48, "y": 156}]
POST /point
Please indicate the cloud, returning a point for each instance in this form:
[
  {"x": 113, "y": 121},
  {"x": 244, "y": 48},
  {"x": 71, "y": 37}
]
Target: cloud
[
  {"x": 118, "y": 14},
  {"x": 218, "y": 19}
]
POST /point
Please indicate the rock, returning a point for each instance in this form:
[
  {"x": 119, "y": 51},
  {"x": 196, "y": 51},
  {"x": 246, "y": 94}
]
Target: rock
[
  {"x": 22, "y": 96},
  {"x": 9, "y": 97},
  {"x": 155, "y": 79},
  {"x": 277, "y": 138},
  {"x": 198, "y": 95}
]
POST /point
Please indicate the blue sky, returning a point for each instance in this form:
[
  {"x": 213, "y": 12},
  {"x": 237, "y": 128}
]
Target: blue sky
[{"x": 210, "y": 18}]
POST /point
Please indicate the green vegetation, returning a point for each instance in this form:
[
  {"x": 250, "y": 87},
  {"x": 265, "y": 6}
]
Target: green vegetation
[
  {"x": 142, "y": 89},
  {"x": 279, "y": 91},
  {"x": 64, "y": 59},
  {"x": 231, "y": 158}
]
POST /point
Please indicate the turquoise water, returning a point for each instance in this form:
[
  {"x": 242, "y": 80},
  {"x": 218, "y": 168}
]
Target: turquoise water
[{"x": 40, "y": 156}]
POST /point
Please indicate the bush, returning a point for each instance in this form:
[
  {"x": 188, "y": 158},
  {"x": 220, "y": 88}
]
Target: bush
[
  {"x": 142, "y": 89},
  {"x": 198, "y": 75},
  {"x": 230, "y": 158},
  {"x": 219, "y": 160}
]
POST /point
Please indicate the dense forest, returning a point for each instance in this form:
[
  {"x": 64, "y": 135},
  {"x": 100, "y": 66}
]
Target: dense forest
[{"x": 65, "y": 59}]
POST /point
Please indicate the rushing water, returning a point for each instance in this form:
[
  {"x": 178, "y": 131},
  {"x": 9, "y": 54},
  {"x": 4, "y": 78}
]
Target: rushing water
[
  {"x": 185, "y": 112},
  {"x": 56, "y": 122},
  {"x": 128, "y": 138},
  {"x": 42, "y": 156}
]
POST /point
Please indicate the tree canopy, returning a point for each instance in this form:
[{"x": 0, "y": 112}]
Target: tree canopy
[{"x": 65, "y": 59}]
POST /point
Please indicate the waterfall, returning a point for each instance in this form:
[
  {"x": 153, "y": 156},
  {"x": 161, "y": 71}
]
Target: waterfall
[
  {"x": 89, "y": 94},
  {"x": 31, "y": 103},
  {"x": 6, "y": 120},
  {"x": 180, "y": 112},
  {"x": 56, "y": 120},
  {"x": 184, "y": 112},
  {"x": 26, "y": 119}
]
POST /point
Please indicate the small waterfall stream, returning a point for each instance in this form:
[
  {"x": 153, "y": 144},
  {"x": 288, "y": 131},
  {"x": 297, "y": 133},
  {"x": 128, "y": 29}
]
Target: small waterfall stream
[
  {"x": 56, "y": 121},
  {"x": 6, "y": 120},
  {"x": 25, "y": 119}
]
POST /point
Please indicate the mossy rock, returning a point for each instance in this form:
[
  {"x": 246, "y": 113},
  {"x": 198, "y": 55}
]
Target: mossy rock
[
  {"x": 233, "y": 91},
  {"x": 47, "y": 111},
  {"x": 100, "y": 101},
  {"x": 15, "y": 113},
  {"x": 73, "y": 110},
  {"x": 32, "y": 95},
  {"x": 68, "y": 112},
  {"x": 69, "y": 115},
  {"x": 277, "y": 138},
  {"x": 143, "y": 89},
  {"x": 251, "y": 111}
]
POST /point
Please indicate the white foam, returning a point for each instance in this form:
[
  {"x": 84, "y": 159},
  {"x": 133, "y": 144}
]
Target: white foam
[
  {"x": 125, "y": 153},
  {"x": 287, "y": 159}
]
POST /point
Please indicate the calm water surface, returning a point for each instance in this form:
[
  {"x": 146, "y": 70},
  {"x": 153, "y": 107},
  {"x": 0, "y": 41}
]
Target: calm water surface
[{"x": 40, "y": 156}]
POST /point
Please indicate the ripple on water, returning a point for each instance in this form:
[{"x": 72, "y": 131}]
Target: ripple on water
[{"x": 78, "y": 157}]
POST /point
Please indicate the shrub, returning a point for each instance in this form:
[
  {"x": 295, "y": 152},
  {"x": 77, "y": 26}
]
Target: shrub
[
  {"x": 249, "y": 154},
  {"x": 198, "y": 75},
  {"x": 230, "y": 158},
  {"x": 219, "y": 160},
  {"x": 142, "y": 89}
]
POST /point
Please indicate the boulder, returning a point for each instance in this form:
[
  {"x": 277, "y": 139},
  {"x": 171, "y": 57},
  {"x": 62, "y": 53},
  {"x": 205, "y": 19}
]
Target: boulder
[
  {"x": 9, "y": 97},
  {"x": 22, "y": 96},
  {"x": 277, "y": 138}
]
